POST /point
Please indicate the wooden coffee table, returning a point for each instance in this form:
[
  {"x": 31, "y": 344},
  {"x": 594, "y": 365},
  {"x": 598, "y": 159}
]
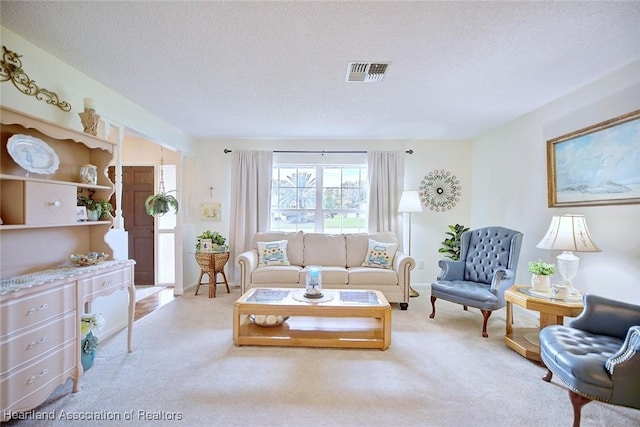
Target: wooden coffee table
[{"x": 343, "y": 318}]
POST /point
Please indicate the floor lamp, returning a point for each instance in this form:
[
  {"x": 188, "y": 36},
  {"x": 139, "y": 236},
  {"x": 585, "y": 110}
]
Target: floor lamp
[{"x": 409, "y": 203}]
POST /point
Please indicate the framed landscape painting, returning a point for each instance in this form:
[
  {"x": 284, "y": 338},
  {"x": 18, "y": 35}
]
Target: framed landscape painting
[{"x": 597, "y": 165}]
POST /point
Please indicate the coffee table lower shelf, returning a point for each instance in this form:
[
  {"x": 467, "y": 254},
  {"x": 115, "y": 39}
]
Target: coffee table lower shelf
[
  {"x": 307, "y": 331},
  {"x": 516, "y": 340}
]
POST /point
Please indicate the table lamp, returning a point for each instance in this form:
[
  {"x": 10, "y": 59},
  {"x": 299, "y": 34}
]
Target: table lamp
[
  {"x": 409, "y": 203},
  {"x": 568, "y": 233}
]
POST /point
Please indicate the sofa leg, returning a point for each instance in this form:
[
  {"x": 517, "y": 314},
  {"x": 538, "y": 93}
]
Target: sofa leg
[
  {"x": 404, "y": 305},
  {"x": 577, "y": 401},
  {"x": 547, "y": 377},
  {"x": 433, "y": 307},
  {"x": 485, "y": 314}
]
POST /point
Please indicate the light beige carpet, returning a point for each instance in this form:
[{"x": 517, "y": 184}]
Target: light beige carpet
[{"x": 185, "y": 370}]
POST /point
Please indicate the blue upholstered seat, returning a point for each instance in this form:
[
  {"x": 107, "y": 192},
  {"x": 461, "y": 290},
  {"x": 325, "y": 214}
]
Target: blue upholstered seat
[
  {"x": 598, "y": 355},
  {"x": 486, "y": 269}
]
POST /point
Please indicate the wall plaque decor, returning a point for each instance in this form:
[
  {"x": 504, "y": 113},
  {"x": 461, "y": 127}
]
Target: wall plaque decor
[
  {"x": 597, "y": 165},
  {"x": 440, "y": 190},
  {"x": 211, "y": 211},
  {"x": 11, "y": 69}
]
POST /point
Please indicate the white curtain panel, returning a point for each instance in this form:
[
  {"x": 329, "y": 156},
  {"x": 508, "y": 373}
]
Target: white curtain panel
[
  {"x": 386, "y": 182},
  {"x": 250, "y": 201}
]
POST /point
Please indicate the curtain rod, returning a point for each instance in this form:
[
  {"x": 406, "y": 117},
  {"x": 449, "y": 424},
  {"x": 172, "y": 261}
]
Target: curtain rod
[{"x": 226, "y": 151}]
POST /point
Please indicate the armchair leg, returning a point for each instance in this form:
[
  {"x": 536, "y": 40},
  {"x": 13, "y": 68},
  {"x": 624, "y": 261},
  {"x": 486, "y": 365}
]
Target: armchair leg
[
  {"x": 433, "y": 307},
  {"x": 577, "y": 401},
  {"x": 485, "y": 314},
  {"x": 547, "y": 377}
]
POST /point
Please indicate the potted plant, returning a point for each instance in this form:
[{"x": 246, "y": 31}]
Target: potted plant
[
  {"x": 541, "y": 272},
  {"x": 160, "y": 203},
  {"x": 452, "y": 244},
  {"x": 217, "y": 240},
  {"x": 89, "y": 323},
  {"x": 96, "y": 209}
]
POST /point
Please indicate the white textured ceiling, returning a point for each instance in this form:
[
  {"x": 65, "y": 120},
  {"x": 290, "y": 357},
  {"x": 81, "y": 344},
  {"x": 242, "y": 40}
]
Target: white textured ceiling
[{"x": 277, "y": 69}]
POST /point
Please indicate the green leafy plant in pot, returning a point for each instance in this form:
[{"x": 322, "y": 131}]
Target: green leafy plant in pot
[
  {"x": 451, "y": 245},
  {"x": 100, "y": 208},
  {"x": 541, "y": 272},
  {"x": 215, "y": 237}
]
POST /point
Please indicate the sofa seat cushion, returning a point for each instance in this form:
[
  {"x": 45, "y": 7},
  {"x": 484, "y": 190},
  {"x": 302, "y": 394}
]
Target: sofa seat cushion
[
  {"x": 331, "y": 275},
  {"x": 325, "y": 249},
  {"x": 466, "y": 293},
  {"x": 369, "y": 275},
  {"x": 274, "y": 274},
  {"x": 579, "y": 358}
]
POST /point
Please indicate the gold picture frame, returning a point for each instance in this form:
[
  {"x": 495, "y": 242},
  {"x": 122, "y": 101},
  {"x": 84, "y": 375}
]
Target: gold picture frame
[
  {"x": 211, "y": 211},
  {"x": 596, "y": 165}
]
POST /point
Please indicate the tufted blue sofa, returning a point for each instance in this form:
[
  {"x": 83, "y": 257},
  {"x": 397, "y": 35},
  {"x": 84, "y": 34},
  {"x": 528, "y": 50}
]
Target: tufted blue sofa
[
  {"x": 597, "y": 355},
  {"x": 486, "y": 269}
]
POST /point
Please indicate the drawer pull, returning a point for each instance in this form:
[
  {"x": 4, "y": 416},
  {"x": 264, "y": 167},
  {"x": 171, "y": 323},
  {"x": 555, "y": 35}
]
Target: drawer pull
[
  {"x": 33, "y": 310},
  {"x": 107, "y": 282},
  {"x": 35, "y": 343},
  {"x": 55, "y": 203},
  {"x": 35, "y": 377}
]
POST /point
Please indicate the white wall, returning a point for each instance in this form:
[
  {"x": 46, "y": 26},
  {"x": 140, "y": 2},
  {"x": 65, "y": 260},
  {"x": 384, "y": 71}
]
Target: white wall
[
  {"x": 73, "y": 86},
  {"x": 510, "y": 185},
  {"x": 213, "y": 168}
]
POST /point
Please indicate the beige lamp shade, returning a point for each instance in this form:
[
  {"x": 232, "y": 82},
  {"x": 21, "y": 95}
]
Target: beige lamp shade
[
  {"x": 568, "y": 233},
  {"x": 410, "y": 202}
]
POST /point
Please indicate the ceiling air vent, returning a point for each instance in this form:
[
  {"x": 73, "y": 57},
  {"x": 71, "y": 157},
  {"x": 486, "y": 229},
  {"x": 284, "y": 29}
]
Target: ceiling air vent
[{"x": 366, "y": 72}]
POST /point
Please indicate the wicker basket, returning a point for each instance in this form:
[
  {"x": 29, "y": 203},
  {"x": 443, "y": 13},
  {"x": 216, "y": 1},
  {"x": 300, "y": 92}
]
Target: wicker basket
[{"x": 212, "y": 262}]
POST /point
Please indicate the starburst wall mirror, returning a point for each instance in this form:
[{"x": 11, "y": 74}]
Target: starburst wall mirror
[{"x": 439, "y": 190}]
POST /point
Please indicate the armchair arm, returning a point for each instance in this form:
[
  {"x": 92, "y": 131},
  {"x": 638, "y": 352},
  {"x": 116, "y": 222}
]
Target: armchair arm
[
  {"x": 624, "y": 369},
  {"x": 451, "y": 270},
  {"x": 503, "y": 279},
  {"x": 248, "y": 262},
  {"x": 603, "y": 316}
]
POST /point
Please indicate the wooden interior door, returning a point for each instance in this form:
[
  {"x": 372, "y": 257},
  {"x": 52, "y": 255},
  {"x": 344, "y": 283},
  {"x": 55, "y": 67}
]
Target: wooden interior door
[{"x": 137, "y": 185}]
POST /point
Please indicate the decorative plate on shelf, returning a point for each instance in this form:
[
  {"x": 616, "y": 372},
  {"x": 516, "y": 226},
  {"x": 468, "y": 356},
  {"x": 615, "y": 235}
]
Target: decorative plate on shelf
[{"x": 33, "y": 154}]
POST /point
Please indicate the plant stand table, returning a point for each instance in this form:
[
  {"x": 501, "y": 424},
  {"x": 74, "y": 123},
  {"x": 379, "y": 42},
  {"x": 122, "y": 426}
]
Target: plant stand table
[
  {"x": 341, "y": 318},
  {"x": 212, "y": 264},
  {"x": 552, "y": 312}
]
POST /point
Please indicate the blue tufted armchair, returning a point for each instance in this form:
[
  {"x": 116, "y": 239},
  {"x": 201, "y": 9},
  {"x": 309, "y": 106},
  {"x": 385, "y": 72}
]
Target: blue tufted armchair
[
  {"x": 597, "y": 355},
  {"x": 486, "y": 269}
]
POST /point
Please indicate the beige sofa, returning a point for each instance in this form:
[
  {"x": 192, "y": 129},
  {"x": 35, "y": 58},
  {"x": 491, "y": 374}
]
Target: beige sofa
[{"x": 341, "y": 257}]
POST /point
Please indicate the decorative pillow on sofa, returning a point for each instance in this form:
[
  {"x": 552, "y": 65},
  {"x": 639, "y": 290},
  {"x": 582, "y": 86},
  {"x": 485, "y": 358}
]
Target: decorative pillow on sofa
[
  {"x": 272, "y": 253},
  {"x": 380, "y": 255}
]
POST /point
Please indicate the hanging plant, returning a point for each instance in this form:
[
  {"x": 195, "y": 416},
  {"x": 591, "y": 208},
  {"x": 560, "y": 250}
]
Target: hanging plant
[{"x": 160, "y": 203}]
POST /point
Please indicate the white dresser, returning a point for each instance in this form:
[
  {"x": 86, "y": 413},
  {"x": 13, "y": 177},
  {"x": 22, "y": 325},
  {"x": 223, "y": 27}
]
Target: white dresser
[{"x": 40, "y": 328}]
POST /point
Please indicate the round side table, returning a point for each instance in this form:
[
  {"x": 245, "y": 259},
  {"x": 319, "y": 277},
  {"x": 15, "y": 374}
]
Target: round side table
[{"x": 212, "y": 264}]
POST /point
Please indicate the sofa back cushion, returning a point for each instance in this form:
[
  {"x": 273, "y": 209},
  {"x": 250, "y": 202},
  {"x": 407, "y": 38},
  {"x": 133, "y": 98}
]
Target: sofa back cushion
[
  {"x": 358, "y": 245},
  {"x": 325, "y": 249},
  {"x": 295, "y": 243}
]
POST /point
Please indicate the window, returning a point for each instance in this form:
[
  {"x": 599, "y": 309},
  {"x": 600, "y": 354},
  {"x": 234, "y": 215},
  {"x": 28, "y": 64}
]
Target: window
[{"x": 320, "y": 198}]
